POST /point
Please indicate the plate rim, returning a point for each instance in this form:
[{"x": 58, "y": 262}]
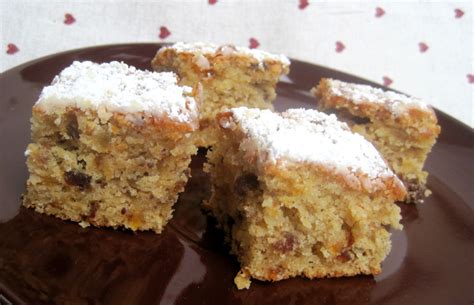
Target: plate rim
[{"x": 445, "y": 116}]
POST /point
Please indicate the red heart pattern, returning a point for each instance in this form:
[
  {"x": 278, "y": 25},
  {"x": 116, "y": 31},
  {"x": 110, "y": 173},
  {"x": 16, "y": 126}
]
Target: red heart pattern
[
  {"x": 253, "y": 43},
  {"x": 423, "y": 47},
  {"x": 458, "y": 13},
  {"x": 12, "y": 49},
  {"x": 379, "y": 12},
  {"x": 470, "y": 78},
  {"x": 340, "y": 47},
  {"x": 164, "y": 32},
  {"x": 303, "y": 4},
  {"x": 387, "y": 81},
  {"x": 69, "y": 19}
]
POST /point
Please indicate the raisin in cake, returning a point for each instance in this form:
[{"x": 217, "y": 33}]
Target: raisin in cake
[
  {"x": 298, "y": 194},
  {"x": 111, "y": 146},
  {"x": 403, "y": 128},
  {"x": 230, "y": 77}
]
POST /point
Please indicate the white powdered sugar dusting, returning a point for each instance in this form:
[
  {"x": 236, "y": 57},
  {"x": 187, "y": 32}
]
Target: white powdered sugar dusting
[
  {"x": 226, "y": 50},
  {"x": 395, "y": 102},
  {"x": 117, "y": 87},
  {"x": 307, "y": 136}
]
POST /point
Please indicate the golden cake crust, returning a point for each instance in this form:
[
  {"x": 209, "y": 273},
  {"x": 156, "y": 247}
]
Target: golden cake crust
[
  {"x": 204, "y": 56},
  {"x": 158, "y": 123},
  {"x": 353, "y": 178},
  {"x": 420, "y": 119}
]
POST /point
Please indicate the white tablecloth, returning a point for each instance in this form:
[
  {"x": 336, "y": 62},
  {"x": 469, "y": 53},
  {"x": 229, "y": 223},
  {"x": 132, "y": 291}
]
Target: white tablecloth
[{"x": 424, "y": 49}]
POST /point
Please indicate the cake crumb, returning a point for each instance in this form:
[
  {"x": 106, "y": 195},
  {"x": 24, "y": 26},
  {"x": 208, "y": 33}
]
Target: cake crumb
[
  {"x": 84, "y": 224},
  {"x": 242, "y": 280}
]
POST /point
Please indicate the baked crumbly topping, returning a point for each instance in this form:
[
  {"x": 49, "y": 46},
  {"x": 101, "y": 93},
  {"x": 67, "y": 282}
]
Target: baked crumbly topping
[
  {"x": 117, "y": 87},
  {"x": 305, "y": 136},
  {"x": 200, "y": 48},
  {"x": 396, "y": 103}
]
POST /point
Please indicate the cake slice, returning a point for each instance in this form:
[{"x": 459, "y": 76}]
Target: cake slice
[
  {"x": 230, "y": 76},
  {"x": 298, "y": 194},
  {"x": 402, "y": 128},
  {"x": 111, "y": 146}
]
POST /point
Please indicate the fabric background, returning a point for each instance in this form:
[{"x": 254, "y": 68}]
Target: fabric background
[{"x": 422, "y": 48}]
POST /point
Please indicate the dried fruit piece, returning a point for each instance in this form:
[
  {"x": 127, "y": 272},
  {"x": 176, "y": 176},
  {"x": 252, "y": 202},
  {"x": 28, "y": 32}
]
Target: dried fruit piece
[
  {"x": 287, "y": 244},
  {"x": 79, "y": 179}
]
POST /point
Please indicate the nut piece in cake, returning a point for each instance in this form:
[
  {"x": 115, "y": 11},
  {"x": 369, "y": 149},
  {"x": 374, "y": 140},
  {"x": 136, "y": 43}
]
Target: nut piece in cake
[
  {"x": 402, "y": 128},
  {"x": 298, "y": 194},
  {"x": 230, "y": 76},
  {"x": 111, "y": 146}
]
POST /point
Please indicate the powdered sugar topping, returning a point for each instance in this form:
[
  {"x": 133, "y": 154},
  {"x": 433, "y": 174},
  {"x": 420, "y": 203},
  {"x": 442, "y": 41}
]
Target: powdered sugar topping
[
  {"x": 396, "y": 103},
  {"x": 117, "y": 87},
  {"x": 307, "y": 136},
  {"x": 226, "y": 50}
]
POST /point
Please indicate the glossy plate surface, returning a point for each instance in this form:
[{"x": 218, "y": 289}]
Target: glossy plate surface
[{"x": 44, "y": 260}]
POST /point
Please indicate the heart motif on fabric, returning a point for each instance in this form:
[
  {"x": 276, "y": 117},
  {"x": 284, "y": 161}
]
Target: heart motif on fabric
[
  {"x": 340, "y": 47},
  {"x": 470, "y": 78},
  {"x": 12, "y": 49},
  {"x": 303, "y": 4},
  {"x": 164, "y": 32},
  {"x": 379, "y": 12},
  {"x": 458, "y": 13},
  {"x": 423, "y": 47},
  {"x": 387, "y": 81},
  {"x": 212, "y": 2},
  {"x": 69, "y": 19},
  {"x": 253, "y": 43}
]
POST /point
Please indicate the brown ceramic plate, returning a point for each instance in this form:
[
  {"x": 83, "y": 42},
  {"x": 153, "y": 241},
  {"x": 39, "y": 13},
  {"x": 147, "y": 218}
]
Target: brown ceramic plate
[{"x": 44, "y": 260}]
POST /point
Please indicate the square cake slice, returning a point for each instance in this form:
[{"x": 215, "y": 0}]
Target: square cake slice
[
  {"x": 402, "y": 128},
  {"x": 298, "y": 194},
  {"x": 111, "y": 146},
  {"x": 230, "y": 77}
]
